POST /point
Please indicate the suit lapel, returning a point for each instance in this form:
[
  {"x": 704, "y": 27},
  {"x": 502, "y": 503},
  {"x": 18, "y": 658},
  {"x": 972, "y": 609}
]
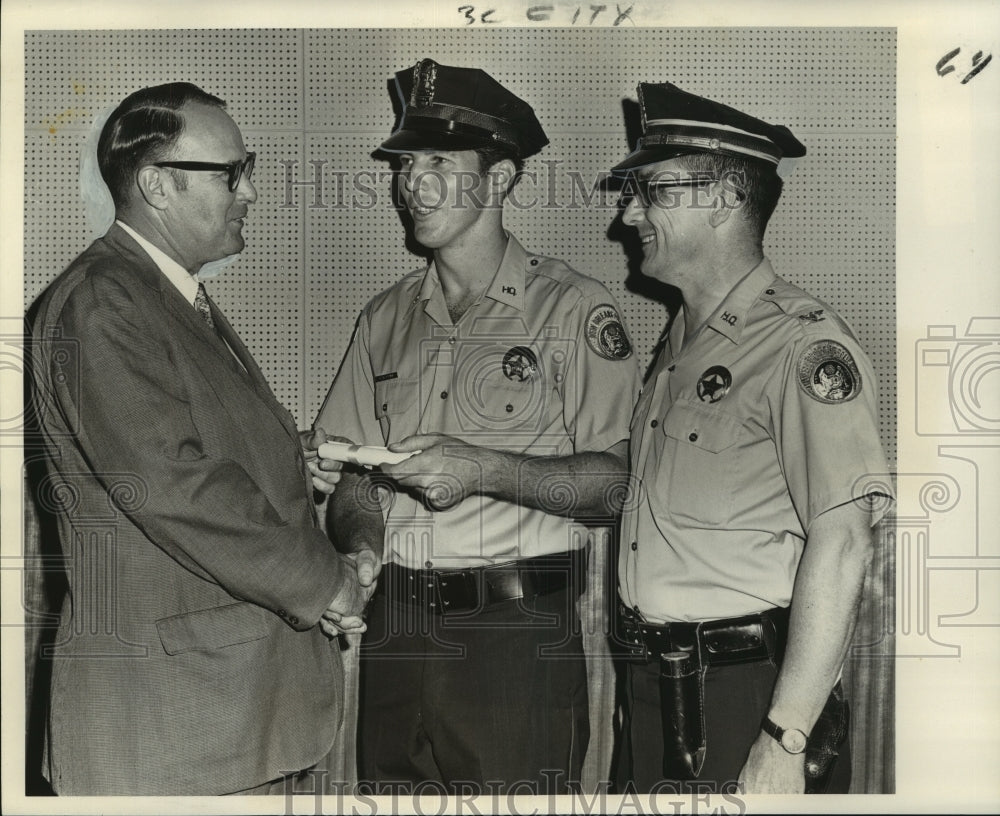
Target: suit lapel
[{"x": 214, "y": 344}]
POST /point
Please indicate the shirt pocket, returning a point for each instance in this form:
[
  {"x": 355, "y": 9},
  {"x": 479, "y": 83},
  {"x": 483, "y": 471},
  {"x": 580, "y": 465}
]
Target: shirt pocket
[
  {"x": 496, "y": 403},
  {"x": 705, "y": 463},
  {"x": 395, "y": 408}
]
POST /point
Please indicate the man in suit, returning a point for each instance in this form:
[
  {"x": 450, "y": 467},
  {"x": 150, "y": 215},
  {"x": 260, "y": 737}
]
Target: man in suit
[{"x": 188, "y": 658}]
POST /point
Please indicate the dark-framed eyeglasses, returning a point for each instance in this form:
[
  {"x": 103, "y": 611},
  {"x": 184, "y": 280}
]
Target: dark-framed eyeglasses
[
  {"x": 651, "y": 191},
  {"x": 236, "y": 169}
]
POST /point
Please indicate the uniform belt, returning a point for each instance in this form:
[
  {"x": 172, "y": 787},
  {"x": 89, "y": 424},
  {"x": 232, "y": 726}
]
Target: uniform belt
[
  {"x": 465, "y": 590},
  {"x": 719, "y": 642}
]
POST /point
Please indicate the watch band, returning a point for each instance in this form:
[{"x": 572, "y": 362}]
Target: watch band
[{"x": 793, "y": 740}]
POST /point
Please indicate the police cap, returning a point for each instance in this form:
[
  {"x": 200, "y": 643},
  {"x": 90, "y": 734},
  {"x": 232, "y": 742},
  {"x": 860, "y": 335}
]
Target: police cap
[
  {"x": 677, "y": 123},
  {"x": 448, "y": 108}
]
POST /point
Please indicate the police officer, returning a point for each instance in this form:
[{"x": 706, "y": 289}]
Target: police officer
[
  {"x": 744, "y": 556},
  {"x": 503, "y": 372}
]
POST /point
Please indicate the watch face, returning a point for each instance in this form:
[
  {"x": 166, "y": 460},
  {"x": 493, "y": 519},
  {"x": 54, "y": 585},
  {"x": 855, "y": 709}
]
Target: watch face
[{"x": 793, "y": 741}]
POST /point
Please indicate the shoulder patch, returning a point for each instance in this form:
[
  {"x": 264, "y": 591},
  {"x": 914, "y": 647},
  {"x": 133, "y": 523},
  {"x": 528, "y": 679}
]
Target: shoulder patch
[
  {"x": 827, "y": 372},
  {"x": 606, "y": 333}
]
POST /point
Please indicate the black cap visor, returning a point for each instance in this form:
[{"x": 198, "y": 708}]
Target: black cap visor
[{"x": 429, "y": 133}]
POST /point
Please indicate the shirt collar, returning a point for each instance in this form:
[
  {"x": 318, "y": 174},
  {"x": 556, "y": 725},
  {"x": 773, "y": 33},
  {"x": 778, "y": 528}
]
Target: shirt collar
[
  {"x": 507, "y": 286},
  {"x": 508, "y": 283},
  {"x": 731, "y": 315},
  {"x": 186, "y": 283}
]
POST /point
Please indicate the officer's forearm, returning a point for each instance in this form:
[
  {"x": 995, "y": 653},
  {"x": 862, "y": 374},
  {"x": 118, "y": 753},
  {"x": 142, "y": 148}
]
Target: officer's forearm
[
  {"x": 825, "y": 603},
  {"x": 585, "y": 486},
  {"x": 354, "y": 515}
]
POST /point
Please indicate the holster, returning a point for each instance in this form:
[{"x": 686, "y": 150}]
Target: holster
[
  {"x": 827, "y": 736},
  {"x": 682, "y": 709}
]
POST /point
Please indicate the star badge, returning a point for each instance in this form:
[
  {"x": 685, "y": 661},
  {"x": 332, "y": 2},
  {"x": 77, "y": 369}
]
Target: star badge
[{"x": 714, "y": 384}]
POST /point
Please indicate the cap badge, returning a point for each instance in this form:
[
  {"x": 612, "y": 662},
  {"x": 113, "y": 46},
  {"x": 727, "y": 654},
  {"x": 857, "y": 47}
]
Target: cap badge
[{"x": 424, "y": 76}]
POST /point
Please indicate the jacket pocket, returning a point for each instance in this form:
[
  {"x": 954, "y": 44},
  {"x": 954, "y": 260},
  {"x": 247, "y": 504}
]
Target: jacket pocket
[{"x": 213, "y": 628}]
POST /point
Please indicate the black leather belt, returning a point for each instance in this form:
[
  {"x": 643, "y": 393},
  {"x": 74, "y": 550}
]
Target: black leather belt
[
  {"x": 464, "y": 590},
  {"x": 730, "y": 640}
]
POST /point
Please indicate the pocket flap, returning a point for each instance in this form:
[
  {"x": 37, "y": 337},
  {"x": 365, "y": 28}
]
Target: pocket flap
[
  {"x": 393, "y": 397},
  {"x": 711, "y": 431},
  {"x": 212, "y": 628}
]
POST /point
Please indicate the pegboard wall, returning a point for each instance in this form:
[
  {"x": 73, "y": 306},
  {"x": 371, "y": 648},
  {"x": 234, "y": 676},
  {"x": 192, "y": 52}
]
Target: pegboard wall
[{"x": 315, "y": 103}]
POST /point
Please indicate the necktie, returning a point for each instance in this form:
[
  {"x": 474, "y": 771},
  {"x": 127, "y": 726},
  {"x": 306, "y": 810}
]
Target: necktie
[{"x": 201, "y": 304}]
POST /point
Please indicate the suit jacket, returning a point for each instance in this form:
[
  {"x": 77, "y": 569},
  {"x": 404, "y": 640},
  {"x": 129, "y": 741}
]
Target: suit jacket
[{"x": 187, "y": 659}]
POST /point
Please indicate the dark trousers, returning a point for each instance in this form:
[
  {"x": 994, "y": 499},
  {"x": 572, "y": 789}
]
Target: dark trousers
[
  {"x": 736, "y": 700},
  {"x": 495, "y": 700}
]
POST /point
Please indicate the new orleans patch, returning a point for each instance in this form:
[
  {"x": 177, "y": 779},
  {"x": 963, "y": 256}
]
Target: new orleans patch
[
  {"x": 519, "y": 364},
  {"x": 714, "y": 384},
  {"x": 606, "y": 333},
  {"x": 828, "y": 373}
]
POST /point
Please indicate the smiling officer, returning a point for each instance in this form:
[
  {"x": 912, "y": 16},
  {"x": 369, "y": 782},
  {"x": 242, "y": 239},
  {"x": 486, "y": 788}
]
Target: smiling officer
[
  {"x": 752, "y": 441},
  {"x": 493, "y": 364}
]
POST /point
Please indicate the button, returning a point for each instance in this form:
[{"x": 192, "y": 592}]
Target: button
[
  {"x": 451, "y": 340},
  {"x": 428, "y": 565},
  {"x": 385, "y": 406},
  {"x": 653, "y": 424},
  {"x": 558, "y": 378},
  {"x": 294, "y": 621},
  {"x": 509, "y": 409},
  {"x": 282, "y": 613},
  {"x": 444, "y": 395},
  {"x": 635, "y": 546},
  {"x": 671, "y": 368},
  {"x": 769, "y": 292},
  {"x": 534, "y": 261},
  {"x": 635, "y": 608},
  {"x": 692, "y": 437}
]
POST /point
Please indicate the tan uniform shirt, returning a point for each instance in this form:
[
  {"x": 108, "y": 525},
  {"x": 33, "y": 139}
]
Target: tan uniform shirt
[
  {"x": 740, "y": 439},
  {"x": 541, "y": 364}
]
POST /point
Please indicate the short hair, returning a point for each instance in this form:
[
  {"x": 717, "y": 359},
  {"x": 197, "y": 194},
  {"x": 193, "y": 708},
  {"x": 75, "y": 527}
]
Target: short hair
[
  {"x": 490, "y": 155},
  {"x": 757, "y": 183},
  {"x": 144, "y": 128}
]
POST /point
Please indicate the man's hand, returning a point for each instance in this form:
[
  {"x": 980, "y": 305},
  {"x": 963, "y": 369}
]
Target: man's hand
[
  {"x": 368, "y": 565},
  {"x": 325, "y": 472},
  {"x": 771, "y": 769},
  {"x": 445, "y": 472},
  {"x": 343, "y": 616}
]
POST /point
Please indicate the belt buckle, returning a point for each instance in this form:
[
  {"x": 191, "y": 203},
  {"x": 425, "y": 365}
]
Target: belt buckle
[{"x": 452, "y": 592}]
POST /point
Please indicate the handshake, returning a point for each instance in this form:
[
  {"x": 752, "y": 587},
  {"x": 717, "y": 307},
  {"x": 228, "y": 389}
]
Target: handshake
[{"x": 345, "y": 613}]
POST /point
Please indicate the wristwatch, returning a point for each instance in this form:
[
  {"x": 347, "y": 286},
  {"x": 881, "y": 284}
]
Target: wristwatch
[{"x": 791, "y": 739}]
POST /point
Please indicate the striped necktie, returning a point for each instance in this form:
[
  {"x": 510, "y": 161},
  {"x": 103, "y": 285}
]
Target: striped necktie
[{"x": 201, "y": 304}]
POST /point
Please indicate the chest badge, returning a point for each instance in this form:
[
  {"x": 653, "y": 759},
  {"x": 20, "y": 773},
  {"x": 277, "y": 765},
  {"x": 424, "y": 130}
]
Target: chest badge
[
  {"x": 519, "y": 364},
  {"x": 714, "y": 384}
]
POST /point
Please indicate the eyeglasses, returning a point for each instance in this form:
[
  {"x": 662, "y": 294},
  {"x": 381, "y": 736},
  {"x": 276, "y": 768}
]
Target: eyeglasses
[
  {"x": 236, "y": 169},
  {"x": 647, "y": 191}
]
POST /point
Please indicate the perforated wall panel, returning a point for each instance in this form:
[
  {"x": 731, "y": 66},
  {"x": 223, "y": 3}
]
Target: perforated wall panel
[{"x": 314, "y": 102}]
